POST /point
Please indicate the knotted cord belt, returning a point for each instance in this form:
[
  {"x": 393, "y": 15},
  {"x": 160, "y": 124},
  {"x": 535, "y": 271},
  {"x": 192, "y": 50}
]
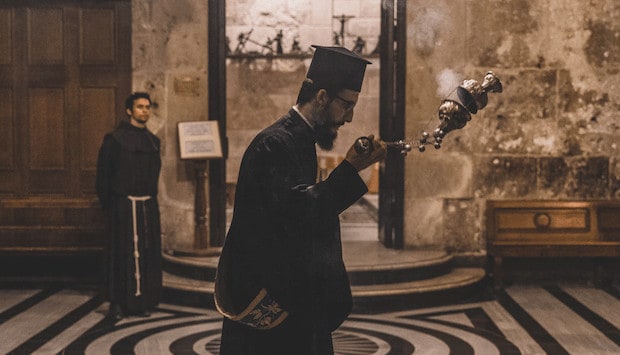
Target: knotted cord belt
[{"x": 136, "y": 253}]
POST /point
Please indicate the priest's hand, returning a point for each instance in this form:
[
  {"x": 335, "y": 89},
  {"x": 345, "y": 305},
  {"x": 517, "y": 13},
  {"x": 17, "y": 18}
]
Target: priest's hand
[{"x": 365, "y": 152}]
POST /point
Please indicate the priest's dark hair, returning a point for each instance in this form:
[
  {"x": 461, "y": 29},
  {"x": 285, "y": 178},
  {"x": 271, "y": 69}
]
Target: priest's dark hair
[
  {"x": 309, "y": 89},
  {"x": 134, "y": 96}
]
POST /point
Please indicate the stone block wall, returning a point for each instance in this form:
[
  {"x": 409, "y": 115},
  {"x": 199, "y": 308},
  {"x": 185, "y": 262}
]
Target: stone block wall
[
  {"x": 552, "y": 134},
  {"x": 169, "y": 60}
]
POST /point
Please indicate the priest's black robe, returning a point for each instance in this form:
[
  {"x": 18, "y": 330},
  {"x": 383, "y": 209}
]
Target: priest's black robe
[
  {"x": 285, "y": 238},
  {"x": 129, "y": 163}
]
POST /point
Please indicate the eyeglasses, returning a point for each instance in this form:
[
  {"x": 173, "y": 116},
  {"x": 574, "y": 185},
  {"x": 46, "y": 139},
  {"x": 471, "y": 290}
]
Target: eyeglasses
[{"x": 347, "y": 104}]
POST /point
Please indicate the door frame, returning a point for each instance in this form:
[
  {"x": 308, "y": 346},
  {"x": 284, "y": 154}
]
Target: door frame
[
  {"x": 391, "y": 123},
  {"x": 393, "y": 56},
  {"x": 217, "y": 111}
]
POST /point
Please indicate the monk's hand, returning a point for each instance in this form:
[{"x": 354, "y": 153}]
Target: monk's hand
[{"x": 365, "y": 152}]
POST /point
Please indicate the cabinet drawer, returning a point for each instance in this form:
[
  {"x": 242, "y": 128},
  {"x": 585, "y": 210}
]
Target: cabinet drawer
[
  {"x": 540, "y": 224},
  {"x": 551, "y": 220}
]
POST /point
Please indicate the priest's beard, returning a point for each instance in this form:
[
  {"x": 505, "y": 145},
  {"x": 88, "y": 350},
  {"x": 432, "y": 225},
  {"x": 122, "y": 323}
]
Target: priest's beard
[
  {"x": 325, "y": 130},
  {"x": 325, "y": 137}
]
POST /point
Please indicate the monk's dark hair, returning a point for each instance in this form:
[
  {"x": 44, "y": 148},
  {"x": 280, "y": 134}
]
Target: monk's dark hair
[{"x": 134, "y": 96}]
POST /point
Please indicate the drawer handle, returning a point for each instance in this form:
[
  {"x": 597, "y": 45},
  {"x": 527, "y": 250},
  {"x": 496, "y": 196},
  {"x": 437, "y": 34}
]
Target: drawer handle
[{"x": 542, "y": 220}]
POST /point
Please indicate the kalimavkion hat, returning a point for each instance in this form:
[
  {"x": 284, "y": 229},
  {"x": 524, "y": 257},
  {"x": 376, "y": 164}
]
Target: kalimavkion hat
[{"x": 337, "y": 67}]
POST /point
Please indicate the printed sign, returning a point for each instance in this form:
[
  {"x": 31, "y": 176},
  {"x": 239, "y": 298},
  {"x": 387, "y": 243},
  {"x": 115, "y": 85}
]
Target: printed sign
[{"x": 199, "y": 140}]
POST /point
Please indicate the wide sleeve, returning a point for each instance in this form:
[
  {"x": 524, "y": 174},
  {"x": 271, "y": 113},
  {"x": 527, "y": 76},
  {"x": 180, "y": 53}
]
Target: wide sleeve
[
  {"x": 105, "y": 171},
  {"x": 298, "y": 200},
  {"x": 339, "y": 191}
]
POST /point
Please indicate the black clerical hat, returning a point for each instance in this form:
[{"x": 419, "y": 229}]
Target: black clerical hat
[{"x": 337, "y": 67}]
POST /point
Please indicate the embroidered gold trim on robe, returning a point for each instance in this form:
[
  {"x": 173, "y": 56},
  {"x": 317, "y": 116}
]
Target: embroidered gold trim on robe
[{"x": 262, "y": 313}]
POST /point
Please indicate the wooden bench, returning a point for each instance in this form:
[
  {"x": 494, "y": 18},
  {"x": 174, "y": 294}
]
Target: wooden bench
[
  {"x": 548, "y": 229},
  {"x": 56, "y": 230}
]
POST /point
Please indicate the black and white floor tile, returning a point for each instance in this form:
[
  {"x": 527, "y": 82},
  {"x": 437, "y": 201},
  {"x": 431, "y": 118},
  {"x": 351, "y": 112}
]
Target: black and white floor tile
[{"x": 566, "y": 319}]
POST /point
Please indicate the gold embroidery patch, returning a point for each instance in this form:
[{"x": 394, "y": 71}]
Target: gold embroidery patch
[{"x": 262, "y": 313}]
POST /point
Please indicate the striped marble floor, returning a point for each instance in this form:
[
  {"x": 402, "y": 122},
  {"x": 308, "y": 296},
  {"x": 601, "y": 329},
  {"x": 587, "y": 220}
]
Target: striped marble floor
[{"x": 565, "y": 319}]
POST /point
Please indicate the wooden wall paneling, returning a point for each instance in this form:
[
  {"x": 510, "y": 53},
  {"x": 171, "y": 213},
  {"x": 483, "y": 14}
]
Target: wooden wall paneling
[
  {"x": 123, "y": 55},
  {"x": 9, "y": 131},
  {"x": 20, "y": 79},
  {"x": 65, "y": 70},
  {"x": 72, "y": 118},
  {"x": 42, "y": 216},
  {"x": 45, "y": 36},
  {"x": 90, "y": 216},
  {"x": 6, "y": 38},
  {"x": 47, "y": 168},
  {"x": 97, "y": 116},
  {"x": 46, "y": 139},
  {"x": 97, "y": 36},
  {"x": 105, "y": 79},
  {"x": 46, "y": 121}
]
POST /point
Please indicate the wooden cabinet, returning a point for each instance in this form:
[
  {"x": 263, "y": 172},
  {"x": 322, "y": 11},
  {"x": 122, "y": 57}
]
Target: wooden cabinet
[{"x": 551, "y": 229}]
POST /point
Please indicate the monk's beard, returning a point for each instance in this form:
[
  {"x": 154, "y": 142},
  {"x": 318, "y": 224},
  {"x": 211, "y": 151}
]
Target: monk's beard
[{"x": 325, "y": 131}]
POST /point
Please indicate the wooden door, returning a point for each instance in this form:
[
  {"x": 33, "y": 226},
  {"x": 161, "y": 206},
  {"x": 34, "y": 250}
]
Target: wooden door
[{"x": 65, "y": 70}]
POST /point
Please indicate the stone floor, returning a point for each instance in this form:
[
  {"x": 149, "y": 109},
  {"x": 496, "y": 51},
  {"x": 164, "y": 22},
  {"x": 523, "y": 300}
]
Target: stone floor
[
  {"x": 525, "y": 319},
  {"x": 558, "y": 318}
]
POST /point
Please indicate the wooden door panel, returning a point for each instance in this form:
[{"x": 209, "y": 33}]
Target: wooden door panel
[
  {"x": 97, "y": 36},
  {"x": 7, "y": 133},
  {"x": 6, "y": 43},
  {"x": 47, "y": 169},
  {"x": 8, "y": 163},
  {"x": 97, "y": 114},
  {"x": 47, "y": 129},
  {"x": 45, "y": 36}
]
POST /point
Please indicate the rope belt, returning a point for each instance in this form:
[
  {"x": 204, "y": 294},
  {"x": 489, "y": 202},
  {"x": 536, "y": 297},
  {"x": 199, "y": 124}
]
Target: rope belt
[{"x": 136, "y": 253}]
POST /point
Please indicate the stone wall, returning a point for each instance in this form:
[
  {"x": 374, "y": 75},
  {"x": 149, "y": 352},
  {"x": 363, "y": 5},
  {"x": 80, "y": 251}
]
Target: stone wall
[
  {"x": 169, "y": 43},
  {"x": 552, "y": 134}
]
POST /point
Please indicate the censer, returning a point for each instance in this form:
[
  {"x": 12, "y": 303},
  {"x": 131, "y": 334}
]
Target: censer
[{"x": 454, "y": 113}]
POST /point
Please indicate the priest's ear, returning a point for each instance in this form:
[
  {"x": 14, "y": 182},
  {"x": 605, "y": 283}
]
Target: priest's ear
[{"x": 322, "y": 97}]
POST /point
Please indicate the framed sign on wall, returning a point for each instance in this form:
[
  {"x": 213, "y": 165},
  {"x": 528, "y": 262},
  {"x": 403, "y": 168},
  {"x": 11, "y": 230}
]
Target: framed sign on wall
[{"x": 199, "y": 140}]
